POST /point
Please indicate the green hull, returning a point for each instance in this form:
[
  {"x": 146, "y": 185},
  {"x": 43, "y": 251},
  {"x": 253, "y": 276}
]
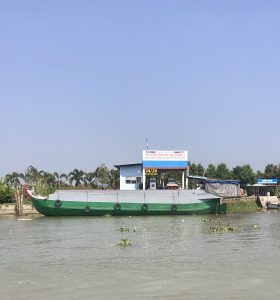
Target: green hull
[{"x": 78, "y": 208}]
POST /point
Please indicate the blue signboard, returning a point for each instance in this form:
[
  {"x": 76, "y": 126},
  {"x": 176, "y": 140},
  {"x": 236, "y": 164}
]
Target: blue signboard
[{"x": 268, "y": 181}]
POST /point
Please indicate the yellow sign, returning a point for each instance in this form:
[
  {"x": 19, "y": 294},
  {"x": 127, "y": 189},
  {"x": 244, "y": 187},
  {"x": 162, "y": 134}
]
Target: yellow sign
[{"x": 151, "y": 172}]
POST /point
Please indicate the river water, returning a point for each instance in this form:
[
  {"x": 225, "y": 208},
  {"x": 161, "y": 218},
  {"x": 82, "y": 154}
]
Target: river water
[{"x": 172, "y": 257}]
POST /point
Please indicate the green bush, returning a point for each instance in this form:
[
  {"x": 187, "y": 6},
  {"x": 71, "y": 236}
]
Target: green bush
[
  {"x": 7, "y": 194},
  {"x": 240, "y": 206},
  {"x": 43, "y": 189}
]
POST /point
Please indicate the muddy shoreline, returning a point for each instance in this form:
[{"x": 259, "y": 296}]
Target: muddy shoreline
[{"x": 9, "y": 209}]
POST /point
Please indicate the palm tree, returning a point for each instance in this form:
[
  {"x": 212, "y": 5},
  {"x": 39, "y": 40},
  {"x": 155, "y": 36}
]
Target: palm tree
[
  {"x": 47, "y": 178},
  {"x": 59, "y": 178},
  {"x": 77, "y": 176},
  {"x": 14, "y": 179},
  {"x": 31, "y": 175},
  {"x": 91, "y": 179}
]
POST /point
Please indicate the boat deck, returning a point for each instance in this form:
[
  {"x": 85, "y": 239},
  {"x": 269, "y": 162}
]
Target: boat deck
[{"x": 139, "y": 196}]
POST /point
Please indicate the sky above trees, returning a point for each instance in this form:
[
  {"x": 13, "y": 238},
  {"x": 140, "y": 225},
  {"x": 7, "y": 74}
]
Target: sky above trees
[{"x": 86, "y": 82}]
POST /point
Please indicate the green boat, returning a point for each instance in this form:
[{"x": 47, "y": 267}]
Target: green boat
[{"x": 126, "y": 203}]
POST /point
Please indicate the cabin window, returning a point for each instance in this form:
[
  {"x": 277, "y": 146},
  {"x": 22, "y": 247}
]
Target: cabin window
[{"x": 130, "y": 180}]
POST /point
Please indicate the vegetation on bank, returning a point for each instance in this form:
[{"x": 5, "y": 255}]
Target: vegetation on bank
[
  {"x": 238, "y": 205},
  {"x": 104, "y": 178},
  {"x": 245, "y": 174},
  {"x": 6, "y": 193}
]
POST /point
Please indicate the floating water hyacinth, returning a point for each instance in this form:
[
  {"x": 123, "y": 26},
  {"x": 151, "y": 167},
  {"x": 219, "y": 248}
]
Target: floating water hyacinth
[
  {"x": 216, "y": 221},
  {"x": 220, "y": 226},
  {"x": 224, "y": 228},
  {"x": 122, "y": 229},
  {"x": 124, "y": 242},
  {"x": 229, "y": 228}
]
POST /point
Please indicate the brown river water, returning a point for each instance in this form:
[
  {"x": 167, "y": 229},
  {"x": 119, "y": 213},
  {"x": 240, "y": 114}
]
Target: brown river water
[{"x": 170, "y": 257}]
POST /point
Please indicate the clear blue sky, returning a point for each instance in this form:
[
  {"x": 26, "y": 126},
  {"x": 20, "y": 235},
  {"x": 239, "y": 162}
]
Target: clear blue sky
[{"x": 85, "y": 82}]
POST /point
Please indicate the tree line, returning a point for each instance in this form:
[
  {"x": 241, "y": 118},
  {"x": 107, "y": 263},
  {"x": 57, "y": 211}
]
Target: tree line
[
  {"x": 245, "y": 173},
  {"x": 45, "y": 182}
]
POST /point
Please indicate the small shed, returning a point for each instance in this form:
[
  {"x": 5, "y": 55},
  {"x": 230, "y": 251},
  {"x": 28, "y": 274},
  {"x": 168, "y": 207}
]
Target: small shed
[{"x": 130, "y": 176}]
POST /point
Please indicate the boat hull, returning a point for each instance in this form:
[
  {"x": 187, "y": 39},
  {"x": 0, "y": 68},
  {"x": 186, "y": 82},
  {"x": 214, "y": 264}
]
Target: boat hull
[{"x": 127, "y": 207}]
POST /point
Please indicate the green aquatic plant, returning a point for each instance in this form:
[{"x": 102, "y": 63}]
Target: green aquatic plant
[
  {"x": 219, "y": 226},
  {"x": 122, "y": 229},
  {"x": 124, "y": 242},
  {"x": 216, "y": 221},
  {"x": 224, "y": 228}
]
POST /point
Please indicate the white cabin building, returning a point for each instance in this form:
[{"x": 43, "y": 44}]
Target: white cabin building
[{"x": 130, "y": 176}]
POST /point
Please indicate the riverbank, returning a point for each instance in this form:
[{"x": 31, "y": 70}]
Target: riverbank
[
  {"x": 239, "y": 205},
  {"x": 9, "y": 209}
]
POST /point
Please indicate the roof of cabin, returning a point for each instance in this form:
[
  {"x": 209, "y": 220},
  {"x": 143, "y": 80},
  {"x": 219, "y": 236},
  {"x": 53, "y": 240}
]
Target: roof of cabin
[{"x": 127, "y": 165}]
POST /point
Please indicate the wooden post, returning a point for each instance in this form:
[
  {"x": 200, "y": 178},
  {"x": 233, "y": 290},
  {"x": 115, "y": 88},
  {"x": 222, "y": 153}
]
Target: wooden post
[
  {"x": 19, "y": 201},
  {"x": 16, "y": 203}
]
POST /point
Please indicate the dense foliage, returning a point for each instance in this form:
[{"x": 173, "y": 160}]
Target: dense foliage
[
  {"x": 245, "y": 174},
  {"x": 6, "y": 193},
  {"x": 101, "y": 178}
]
